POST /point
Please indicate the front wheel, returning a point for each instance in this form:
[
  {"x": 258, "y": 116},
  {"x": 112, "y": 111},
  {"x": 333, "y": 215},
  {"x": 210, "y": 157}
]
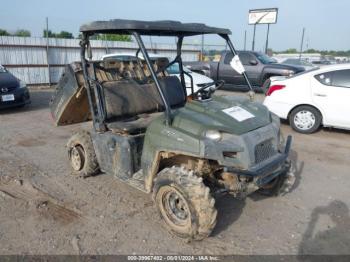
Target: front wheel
[
  {"x": 305, "y": 119},
  {"x": 184, "y": 203},
  {"x": 82, "y": 155}
]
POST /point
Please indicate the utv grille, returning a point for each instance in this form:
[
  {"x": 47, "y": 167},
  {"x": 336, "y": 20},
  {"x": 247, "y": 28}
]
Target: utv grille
[{"x": 264, "y": 151}]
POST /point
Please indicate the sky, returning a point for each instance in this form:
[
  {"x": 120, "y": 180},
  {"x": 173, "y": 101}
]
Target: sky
[{"x": 326, "y": 22}]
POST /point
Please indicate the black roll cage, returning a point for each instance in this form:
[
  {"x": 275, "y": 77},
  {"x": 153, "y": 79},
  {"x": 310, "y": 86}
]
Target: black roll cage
[{"x": 95, "y": 90}]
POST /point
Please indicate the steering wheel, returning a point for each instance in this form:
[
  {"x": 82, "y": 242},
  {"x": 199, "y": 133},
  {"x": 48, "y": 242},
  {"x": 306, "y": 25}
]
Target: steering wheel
[{"x": 205, "y": 91}]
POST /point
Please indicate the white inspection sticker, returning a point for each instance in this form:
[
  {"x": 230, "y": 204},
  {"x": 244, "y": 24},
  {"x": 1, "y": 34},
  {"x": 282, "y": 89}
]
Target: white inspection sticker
[
  {"x": 236, "y": 64},
  {"x": 238, "y": 113}
]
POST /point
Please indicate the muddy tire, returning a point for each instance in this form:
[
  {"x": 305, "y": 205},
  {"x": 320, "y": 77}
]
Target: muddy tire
[
  {"x": 273, "y": 188},
  {"x": 184, "y": 203},
  {"x": 81, "y": 154}
]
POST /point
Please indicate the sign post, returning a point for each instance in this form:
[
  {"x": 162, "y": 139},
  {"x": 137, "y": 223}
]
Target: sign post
[{"x": 262, "y": 16}]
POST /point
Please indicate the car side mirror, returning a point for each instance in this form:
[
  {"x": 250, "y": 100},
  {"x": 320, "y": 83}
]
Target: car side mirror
[{"x": 253, "y": 62}]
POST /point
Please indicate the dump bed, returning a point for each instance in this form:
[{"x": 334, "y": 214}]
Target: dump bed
[{"x": 69, "y": 103}]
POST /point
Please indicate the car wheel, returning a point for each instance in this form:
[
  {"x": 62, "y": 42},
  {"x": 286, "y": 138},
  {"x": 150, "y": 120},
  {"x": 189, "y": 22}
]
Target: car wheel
[
  {"x": 184, "y": 203},
  {"x": 266, "y": 85},
  {"x": 305, "y": 119},
  {"x": 82, "y": 155}
]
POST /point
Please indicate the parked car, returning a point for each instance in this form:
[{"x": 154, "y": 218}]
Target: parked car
[
  {"x": 259, "y": 68},
  {"x": 298, "y": 62},
  {"x": 321, "y": 63},
  {"x": 13, "y": 92},
  {"x": 313, "y": 98},
  {"x": 198, "y": 79}
]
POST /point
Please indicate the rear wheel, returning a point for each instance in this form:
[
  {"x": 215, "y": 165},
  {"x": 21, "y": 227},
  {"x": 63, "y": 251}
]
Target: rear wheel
[
  {"x": 266, "y": 85},
  {"x": 184, "y": 203},
  {"x": 305, "y": 119},
  {"x": 82, "y": 155}
]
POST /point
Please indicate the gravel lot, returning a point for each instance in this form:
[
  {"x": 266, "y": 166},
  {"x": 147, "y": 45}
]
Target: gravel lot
[{"x": 46, "y": 210}]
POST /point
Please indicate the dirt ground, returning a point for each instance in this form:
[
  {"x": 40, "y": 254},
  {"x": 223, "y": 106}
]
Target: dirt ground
[{"x": 44, "y": 209}]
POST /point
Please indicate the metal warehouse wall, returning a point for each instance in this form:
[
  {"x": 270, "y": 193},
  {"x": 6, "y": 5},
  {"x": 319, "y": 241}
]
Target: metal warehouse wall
[{"x": 29, "y": 59}]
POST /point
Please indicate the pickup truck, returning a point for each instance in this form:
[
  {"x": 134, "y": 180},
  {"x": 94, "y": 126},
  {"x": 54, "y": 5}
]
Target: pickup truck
[{"x": 259, "y": 68}]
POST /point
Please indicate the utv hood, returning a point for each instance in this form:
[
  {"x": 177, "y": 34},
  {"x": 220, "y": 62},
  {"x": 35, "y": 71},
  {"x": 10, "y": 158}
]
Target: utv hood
[{"x": 227, "y": 114}]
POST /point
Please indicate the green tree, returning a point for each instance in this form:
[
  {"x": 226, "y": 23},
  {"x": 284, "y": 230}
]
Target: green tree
[
  {"x": 311, "y": 51},
  {"x": 291, "y": 51},
  {"x": 48, "y": 33},
  {"x": 62, "y": 34},
  {"x": 114, "y": 37},
  {"x": 4, "y": 32},
  {"x": 22, "y": 32},
  {"x": 65, "y": 34}
]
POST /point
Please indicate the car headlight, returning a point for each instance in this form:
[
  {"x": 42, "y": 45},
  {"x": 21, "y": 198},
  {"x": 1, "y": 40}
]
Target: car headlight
[
  {"x": 213, "y": 135},
  {"x": 22, "y": 84}
]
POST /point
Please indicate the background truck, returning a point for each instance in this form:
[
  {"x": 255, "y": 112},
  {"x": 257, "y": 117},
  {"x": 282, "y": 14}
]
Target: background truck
[{"x": 259, "y": 68}]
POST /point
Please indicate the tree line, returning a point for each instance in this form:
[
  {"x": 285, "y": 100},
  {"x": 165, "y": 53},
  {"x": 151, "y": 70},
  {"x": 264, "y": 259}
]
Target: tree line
[
  {"x": 312, "y": 51},
  {"x": 67, "y": 35}
]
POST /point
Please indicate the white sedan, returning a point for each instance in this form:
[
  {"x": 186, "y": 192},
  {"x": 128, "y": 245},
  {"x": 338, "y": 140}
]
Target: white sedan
[{"x": 312, "y": 98}]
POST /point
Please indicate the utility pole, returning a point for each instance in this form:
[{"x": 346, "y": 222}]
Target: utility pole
[
  {"x": 47, "y": 49},
  {"x": 302, "y": 43},
  {"x": 267, "y": 38},
  {"x": 253, "y": 44},
  {"x": 202, "y": 49},
  {"x": 245, "y": 40}
]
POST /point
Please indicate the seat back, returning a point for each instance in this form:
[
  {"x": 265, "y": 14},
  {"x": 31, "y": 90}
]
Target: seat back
[{"x": 127, "y": 98}]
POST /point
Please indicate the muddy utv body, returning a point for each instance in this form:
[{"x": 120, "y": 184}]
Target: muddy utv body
[{"x": 147, "y": 133}]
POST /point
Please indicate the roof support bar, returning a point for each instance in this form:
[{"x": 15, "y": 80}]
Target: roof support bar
[
  {"x": 155, "y": 78},
  {"x": 83, "y": 45}
]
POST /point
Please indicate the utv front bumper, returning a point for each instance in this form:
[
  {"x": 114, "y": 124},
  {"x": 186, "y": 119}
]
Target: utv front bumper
[{"x": 265, "y": 172}]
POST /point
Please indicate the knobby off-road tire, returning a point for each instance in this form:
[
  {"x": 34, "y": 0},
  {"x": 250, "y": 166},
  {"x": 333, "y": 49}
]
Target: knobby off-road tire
[
  {"x": 184, "y": 203},
  {"x": 273, "y": 188},
  {"x": 281, "y": 184},
  {"x": 82, "y": 155}
]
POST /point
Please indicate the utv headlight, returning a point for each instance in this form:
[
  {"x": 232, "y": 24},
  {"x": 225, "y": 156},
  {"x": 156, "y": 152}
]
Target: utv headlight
[
  {"x": 213, "y": 135},
  {"x": 22, "y": 84}
]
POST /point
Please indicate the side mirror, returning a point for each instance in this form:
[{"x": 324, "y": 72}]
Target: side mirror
[{"x": 253, "y": 62}]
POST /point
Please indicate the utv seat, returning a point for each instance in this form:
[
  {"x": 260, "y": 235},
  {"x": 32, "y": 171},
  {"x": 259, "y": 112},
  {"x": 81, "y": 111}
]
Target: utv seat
[
  {"x": 131, "y": 107},
  {"x": 132, "y": 126}
]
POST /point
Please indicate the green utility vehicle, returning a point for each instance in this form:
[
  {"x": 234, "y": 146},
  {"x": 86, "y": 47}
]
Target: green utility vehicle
[{"x": 150, "y": 135}]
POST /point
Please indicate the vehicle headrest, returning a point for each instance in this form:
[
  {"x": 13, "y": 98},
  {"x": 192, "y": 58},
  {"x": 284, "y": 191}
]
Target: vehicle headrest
[
  {"x": 112, "y": 64},
  {"x": 162, "y": 63}
]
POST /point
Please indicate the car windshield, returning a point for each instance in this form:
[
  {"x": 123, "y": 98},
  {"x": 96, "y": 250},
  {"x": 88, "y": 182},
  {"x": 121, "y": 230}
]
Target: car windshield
[
  {"x": 2, "y": 69},
  {"x": 265, "y": 59},
  {"x": 174, "y": 69}
]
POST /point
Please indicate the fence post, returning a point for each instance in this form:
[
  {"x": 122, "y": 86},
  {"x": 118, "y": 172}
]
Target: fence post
[{"x": 47, "y": 49}]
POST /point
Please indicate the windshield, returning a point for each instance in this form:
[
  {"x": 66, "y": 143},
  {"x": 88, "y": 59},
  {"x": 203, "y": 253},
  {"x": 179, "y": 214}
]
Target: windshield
[
  {"x": 2, "y": 69},
  {"x": 265, "y": 59},
  {"x": 174, "y": 69}
]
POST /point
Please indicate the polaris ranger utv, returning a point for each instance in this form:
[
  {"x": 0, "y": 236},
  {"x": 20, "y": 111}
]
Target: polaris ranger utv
[{"x": 147, "y": 133}]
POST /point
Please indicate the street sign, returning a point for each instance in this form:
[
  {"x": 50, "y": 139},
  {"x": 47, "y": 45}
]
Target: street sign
[{"x": 263, "y": 16}]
